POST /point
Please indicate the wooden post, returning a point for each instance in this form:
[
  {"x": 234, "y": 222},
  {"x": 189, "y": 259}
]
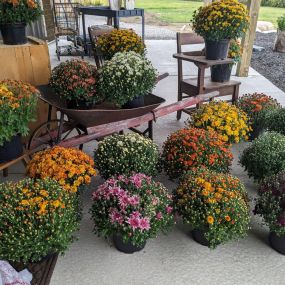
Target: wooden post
[{"x": 248, "y": 40}]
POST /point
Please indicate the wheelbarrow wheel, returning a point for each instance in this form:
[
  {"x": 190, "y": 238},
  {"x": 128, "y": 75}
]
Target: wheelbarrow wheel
[{"x": 47, "y": 134}]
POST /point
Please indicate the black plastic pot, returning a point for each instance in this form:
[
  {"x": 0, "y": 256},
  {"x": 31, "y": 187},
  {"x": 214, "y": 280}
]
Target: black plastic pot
[
  {"x": 216, "y": 49},
  {"x": 254, "y": 134},
  {"x": 221, "y": 72},
  {"x": 11, "y": 149},
  {"x": 128, "y": 248},
  {"x": 199, "y": 236},
  {"x": 277, "y": 242},
  {"x": 14, "y": 34},
  {"x": 135, "y": 103}
]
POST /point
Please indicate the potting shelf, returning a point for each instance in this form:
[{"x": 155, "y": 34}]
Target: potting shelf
[{"x": 202, "y": 85}]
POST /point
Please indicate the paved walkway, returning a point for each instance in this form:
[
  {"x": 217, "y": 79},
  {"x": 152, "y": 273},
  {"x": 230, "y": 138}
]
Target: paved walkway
[{"x": 174, "y": 259}]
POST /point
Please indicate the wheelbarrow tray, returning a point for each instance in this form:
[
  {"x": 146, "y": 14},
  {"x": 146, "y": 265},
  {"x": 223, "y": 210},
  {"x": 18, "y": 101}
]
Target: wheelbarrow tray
[{"x": 101, "y": 114}]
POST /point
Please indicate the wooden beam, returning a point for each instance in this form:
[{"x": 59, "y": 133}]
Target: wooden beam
[{"x": 248, "y": 40}]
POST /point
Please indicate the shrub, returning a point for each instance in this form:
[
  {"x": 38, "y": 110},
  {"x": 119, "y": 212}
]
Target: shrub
[
  {"x": 75, "y": 80},
  {"x": 235, "y": 50},
  {"x": 69, "y": 166},
  {"x": 257, "y": 106},
  {"x": 228, "y": 120},
  {"x": 270, "y": 203},
  {"x": 214, "y": 203},
  {"x": 120, "y": 41},
  {"x": 126, "y": 76},
  {"x": 191, "y": 148},
  {"x": 225, "y": 19},
  {"x": 37, "y": 219},
  {"x": 281, "y": 22},
  {"x": 18, "y": 102},
  {"x": 265, "y": 156},
  {"x": 273, "y": 3},
  {"x": 19, "y": 11},
  {"x": 275, "y": 121},
  {"x": 124, "y": 154},
  {"x": 134, "y": 207}
]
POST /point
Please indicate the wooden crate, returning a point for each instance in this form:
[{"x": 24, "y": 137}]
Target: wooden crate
[{"x": 30, "y": 63}]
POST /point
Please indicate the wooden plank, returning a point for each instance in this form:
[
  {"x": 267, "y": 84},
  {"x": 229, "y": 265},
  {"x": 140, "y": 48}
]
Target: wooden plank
[
  {"x": 108, "y": 129},
  {"x": 201, "y": 60},
  {"x": 248, "y": 40},
  {"x": 24, "y": 157}
]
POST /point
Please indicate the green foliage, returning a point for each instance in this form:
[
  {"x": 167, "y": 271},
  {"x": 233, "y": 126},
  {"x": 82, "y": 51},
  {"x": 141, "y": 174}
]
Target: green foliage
[
  {"x": 281, "y": 23},
  {"x": 265, "y": 156},
  {"x": 37, "y": 218},
  {"x": 126, "y": 76},
  {"x": 19, "y": 11},
  {"x": 124, "y": 154},
  {"x": 275, "y": 121},
  {"x": 213, "y": 203},
  {"x": 273, "y": 3},
  {"x": 18, "y": 102},
  {"x": 271, "y": 202},
  {"x": 136, "y": 208}
]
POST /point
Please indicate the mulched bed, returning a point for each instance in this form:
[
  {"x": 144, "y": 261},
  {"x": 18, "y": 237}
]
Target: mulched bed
[{"x": 269, "y": 63}]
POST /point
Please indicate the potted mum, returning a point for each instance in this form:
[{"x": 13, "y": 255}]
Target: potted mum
[
  {"x": 71, "y": 167},
  {"x": 37, "y": 223},
  {"x": 18, "y": 102},
  {"x": 214, "y": 205},
  {"x": 14, "y": 16},
  {"x": 126, "y": 79},
  {"x": 190, "y": 148},
  {"x": 131, "y": 209},
  {"x": 274, "y": 120},
  {"x": 125, "y": 154},
  {"x": 224, "y": 118},
  {"x": 265, "y": 156},
  {"x": 270, "y": 205},
  {"x": 222, "y": 72},
  {"x": 119, "y": 41},
  {"x": 218, "y": 23},
  {"x": 75, "y": 81},
  {"x": 259, "y": 107}
]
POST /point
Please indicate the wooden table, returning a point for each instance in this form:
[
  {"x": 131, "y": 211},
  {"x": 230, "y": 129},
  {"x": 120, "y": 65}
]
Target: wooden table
[{"x": 105, "y": 11}]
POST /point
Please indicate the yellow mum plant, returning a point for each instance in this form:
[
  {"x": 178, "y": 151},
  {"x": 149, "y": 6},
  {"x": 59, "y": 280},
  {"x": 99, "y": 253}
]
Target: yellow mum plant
[
  {"x": 225, "y": 19},
  {"x": 120, "y": 41},
  {"x": 227, "y": 120},
  {"x": 214, "y": 204},
  {"x": 69, "y": 166}
]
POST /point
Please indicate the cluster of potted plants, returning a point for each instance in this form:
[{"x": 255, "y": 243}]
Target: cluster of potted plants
[
  {"x": 18, "y": 102},
  {"x": 14, "y": 16},
  {"x": 122, "y": 82}
]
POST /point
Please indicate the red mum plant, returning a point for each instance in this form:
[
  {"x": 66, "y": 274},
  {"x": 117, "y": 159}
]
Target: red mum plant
[
  {"x": 191, "y": 148},
  {"x": 74, "y": 80}
]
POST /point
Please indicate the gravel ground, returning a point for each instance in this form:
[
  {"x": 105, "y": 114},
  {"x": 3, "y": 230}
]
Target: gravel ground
[{"x": 269, "y": 63}]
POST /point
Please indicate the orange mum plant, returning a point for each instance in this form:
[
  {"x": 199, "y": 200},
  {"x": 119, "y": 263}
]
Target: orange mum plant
[
  {"x": 214, "y": 204},
  {"x": 191, "y": 148},
  {"x": 69, "y": 166}
]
